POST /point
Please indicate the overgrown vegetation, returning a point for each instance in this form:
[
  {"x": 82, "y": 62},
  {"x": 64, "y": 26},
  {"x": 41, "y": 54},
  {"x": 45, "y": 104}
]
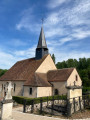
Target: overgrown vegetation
[
  {"x": 2, "y": 72},
  {"x": 53, "y": 57},
  {"x": 86, "y": 90},
  {"x": 20, "y": 99}
]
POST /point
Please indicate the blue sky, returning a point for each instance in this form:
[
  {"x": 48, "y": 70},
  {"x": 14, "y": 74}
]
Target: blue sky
[{"x": 66, "y": 27}]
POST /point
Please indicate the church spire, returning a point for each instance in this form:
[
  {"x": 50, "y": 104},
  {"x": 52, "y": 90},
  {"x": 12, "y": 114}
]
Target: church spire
[
  {"x": 42, "y": 41},
  {"x": 41, "y": 49}
]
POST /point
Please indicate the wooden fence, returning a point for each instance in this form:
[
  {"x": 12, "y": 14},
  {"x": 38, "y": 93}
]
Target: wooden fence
[{"x": 64, "y": 106}]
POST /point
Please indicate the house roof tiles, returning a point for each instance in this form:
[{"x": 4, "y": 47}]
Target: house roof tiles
[
  {"x": 25, "y": 71},
  {"x": 59, "y": 75}
]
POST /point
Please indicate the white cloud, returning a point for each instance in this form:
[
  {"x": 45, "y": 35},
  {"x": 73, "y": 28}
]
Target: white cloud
[
  {"x": 52, "y": 19},
  {"x": 83, "y": 6},
  {"x": 80, "y": 34},
  {"x": 53, "y": 32},
  {"x": 7, "y": 60},
  {"x": 56, "y": 3},
  {"x": 28, "y": 22},
  {"x": 63, "y": 40},
  {"x": 73, "y": 55},
  {"x": 26, "y": 53},
  {"x": 56, "y": 22},
  {"x": 65, "y": 54}
]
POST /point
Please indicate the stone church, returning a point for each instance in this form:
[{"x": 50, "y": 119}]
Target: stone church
[{"x": 38, "y": 76}]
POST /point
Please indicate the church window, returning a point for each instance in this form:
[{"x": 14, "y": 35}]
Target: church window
[
  {"x": 56, "y": 92},
  {"x": 76, "y": 78},
  {"x": 30, "y": 91},
  {"x": 14, "y": 87}
]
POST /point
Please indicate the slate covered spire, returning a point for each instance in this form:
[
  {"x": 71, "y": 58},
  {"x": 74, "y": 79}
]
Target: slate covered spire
[
  {"x": 41, "y": 49},
  {"x": 42, "y": 41}
]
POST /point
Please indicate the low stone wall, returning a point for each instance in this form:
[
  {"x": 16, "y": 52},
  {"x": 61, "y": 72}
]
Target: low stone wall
[
  {"x": 77, "y": 106},
  {"x": 45, "y": 104},
  {"x": 68, "y": 106}
]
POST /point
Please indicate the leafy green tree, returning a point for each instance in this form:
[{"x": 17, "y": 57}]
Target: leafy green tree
[
  {"x": 61, "y": 65},
  {"x": 53, "y": 57},
  {"x": 2, "y": 72},
  {"x": 70, "y": 63}
]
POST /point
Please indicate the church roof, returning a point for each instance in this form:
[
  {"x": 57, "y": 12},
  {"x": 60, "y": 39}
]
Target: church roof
[
  {"x": 42, "y": 41},
  {"x": 37, "y": 81},
  {"x": 59, "y": 75},
  {"x": 25, "y": 71}
]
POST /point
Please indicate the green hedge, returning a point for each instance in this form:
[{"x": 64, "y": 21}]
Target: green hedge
[
  {"x": 20, "y": 99},
  {"x": 86, "y": 89}
]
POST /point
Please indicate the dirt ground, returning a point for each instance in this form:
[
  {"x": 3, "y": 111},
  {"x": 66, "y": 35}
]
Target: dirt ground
[
  {"x": 84, "y": 114},
  {"x": 78, "y": 115}
]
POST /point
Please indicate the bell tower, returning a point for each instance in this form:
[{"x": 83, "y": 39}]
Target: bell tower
[{"x": 41, "y": 49}]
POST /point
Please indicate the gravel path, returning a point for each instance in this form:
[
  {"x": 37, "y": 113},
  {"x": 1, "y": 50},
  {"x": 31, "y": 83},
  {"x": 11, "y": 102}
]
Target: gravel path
[
  {"x": 19, "y": 115},
  {"x": 25, "y": 116}
]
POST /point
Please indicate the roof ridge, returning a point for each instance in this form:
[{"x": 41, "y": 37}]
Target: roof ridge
[
  {"x": 61, "y": 69},
  {"x": 26, "y": 59},
  {"x": 59, "y": 74}
]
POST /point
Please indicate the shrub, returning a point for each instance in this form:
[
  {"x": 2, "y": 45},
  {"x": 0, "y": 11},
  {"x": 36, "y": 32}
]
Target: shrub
[
  {"x": 21, "y": 99},
  {"x": 86, "y": 89}
]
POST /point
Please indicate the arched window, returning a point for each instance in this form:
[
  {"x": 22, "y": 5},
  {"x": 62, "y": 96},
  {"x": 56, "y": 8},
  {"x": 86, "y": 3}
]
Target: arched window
[
  {"x": 14, "y": 87},
  {"x": 76, "y": 78},
  {"x": 56, "y": 92}
]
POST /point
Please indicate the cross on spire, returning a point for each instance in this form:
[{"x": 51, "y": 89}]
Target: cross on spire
[{"x": 42, "y": 20}]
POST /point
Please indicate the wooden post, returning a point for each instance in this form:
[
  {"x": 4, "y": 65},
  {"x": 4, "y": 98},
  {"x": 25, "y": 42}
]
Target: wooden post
[
  {"x": 47, "y": 100},
  {"x": 41, "y": 105},
  {"x": 88, "y": 99},
  {"x": 80, "y": 103},
  {"x": 68, "y": 108},
  {"x": 52, "y": 106},
  {"x": 58, "y": 99},
  {"x": 32, "y": 107},
  {"x": 84, "y": 102},
  {"x": 24, "y": 106},
  {"x": 74, "y": 105}
]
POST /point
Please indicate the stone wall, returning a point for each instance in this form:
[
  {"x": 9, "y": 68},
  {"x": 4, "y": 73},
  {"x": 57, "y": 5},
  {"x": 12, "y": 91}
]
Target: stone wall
[
  {"x": 47, "y": 65},
  {"x": 27, "y": 89},
  {"x": 37, "y": 91},
  {"x": 18, "y": 89},
  {"x": 72, "y": 78},
  {"x": 72, "y": 93},
  {"x": 45, "y": 104},
  {"x": 44, "y": 91},
  {"x": 78, "y": 105},
  {"x": 60, "y": 86}
]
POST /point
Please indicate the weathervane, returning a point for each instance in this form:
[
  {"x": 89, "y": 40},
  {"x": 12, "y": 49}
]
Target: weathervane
[{"x": 42, "y": 20}]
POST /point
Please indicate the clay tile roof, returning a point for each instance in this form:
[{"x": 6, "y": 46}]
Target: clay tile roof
[
  {"x": 59, "y": 75},
  {"x": 37, "y": 80},
  {"x": 23, "y": 70}
]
